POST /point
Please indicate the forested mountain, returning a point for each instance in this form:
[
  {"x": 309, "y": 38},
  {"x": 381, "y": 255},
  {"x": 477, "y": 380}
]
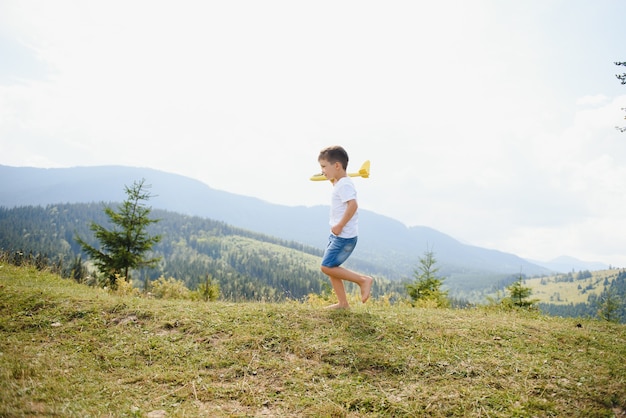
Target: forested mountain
[
  {"x": 247, "y": 265},
  {"x": 388, "y": 246}
]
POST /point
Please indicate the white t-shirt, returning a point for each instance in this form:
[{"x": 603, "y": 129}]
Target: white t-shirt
[{"x": 344, "y": 191}]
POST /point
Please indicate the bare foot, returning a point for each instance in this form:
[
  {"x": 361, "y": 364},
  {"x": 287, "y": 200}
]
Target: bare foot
[
  {"x": 366, "y": 288},
  {"x": 338, "y": 306}
]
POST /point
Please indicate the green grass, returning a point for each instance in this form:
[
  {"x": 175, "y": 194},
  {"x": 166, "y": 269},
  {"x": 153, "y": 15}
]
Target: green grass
[{"x": 70, "y": 350}]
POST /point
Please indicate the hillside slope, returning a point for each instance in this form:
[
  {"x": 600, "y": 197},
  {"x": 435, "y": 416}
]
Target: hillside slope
[
  {"x": 71, "y": 350},
  {"x": 246, "y": 265},
  {"x": 384, "y": 241}
]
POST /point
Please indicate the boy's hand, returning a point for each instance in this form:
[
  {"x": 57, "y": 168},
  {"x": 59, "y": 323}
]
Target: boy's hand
[{"x": 336, "y": 230}]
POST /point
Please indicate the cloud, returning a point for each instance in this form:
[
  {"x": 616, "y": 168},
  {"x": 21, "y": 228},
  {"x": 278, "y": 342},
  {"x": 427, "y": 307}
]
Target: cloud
[
  {"x": 471, "y": 124},
  {"x": 594, "y": 100}
]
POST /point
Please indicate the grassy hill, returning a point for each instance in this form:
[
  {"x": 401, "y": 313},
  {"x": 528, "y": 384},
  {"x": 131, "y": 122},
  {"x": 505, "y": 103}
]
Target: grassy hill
[
  {"x": 72, "y": 350},
  {"x": 568, "y": 288}
]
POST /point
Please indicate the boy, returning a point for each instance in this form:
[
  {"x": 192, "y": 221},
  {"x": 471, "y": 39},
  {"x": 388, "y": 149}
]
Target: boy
[{"x": 343, "y": 226}]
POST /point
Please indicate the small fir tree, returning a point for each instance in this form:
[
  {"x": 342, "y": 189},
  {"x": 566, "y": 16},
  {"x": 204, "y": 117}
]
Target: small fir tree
[
  {"x": 124, "y": 247},
  {"x": 78, "y": 272},
  {"x": 609, "y": 305},
  {"x": 520, "y": 294},
  {"x": 427, "y": 285},
  {"x": 209, "y": 290}
]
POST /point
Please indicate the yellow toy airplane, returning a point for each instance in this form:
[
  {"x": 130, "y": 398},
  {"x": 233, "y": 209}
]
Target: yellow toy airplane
[{"x": 363, "y": 172}]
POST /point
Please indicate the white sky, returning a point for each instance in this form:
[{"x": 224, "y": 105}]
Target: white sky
[{"x": 492, "y": 121}]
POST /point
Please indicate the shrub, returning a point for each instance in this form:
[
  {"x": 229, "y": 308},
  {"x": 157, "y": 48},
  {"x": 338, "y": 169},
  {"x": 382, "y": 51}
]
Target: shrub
[
  {"x": 171, "y": 288},
  {"x": 207, "y": 291}
]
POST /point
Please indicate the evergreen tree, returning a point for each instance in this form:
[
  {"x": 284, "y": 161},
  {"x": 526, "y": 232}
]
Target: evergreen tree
[
  {"x": 520, "y": 294},
  {"x": 124, "y": 247},
  {"x": 609, "y": 305},
  {"x": 427, "y": 285},
  {"x": 209, "y": 290},
  {"x": 77, "y": 271}
]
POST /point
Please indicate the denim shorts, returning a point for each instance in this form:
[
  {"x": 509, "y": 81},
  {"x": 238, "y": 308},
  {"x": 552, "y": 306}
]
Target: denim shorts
[{"x": 338, "y": 250}]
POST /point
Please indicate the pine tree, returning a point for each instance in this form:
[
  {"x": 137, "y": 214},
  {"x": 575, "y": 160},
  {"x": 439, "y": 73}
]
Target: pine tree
[
  {"x": 427, "y": 285},
  {"x": 209, "y": 290},
  {"x": 77, "y": 271},
  {"x": 520, "y": 294},
  {"x": 124, "y": 247},
  {"x": 609, "y": 305}
]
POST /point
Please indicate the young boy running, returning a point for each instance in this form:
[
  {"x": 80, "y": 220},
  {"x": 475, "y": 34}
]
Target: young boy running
[{"x": 343, "y": 226}]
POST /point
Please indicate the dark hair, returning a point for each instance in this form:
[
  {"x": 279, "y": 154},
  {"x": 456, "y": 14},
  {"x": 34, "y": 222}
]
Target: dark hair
[{"x": 334, "y": 154}]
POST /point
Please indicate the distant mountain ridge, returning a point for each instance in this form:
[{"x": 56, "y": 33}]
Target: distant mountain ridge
[
  {"x": 384, "y": 241},
  {"x": 566, "y": 264}
]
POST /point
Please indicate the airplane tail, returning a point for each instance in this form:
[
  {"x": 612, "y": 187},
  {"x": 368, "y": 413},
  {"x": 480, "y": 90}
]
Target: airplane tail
[{"x": 365, "y": 170}]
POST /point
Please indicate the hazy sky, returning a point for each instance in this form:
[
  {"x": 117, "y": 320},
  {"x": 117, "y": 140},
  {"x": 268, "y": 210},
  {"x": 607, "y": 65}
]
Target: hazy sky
[{"x": 492, "y": 121}]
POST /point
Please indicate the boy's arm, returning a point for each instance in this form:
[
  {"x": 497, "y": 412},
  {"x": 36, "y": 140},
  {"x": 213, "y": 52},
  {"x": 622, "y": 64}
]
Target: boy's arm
[{"x": 351, "y": 208}]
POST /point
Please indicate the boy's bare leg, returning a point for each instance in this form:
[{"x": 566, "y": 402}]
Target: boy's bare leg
[
  {"x": 366, "y": 288},
  {"x": 340, "y": 291},
  {"x": 340, "y": 273}
]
